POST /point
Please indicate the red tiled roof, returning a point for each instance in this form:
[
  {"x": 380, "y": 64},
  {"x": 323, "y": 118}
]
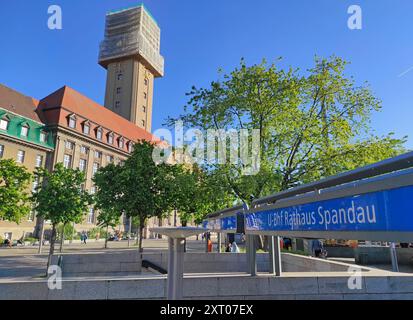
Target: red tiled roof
[
  {"x": 81, "y": 105},
  {"x": 18, "y": 103}
]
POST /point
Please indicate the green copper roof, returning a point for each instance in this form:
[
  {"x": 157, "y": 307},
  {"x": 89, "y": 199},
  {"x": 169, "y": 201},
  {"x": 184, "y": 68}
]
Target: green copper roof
[
  {"x": 133, "y": 7},
  {"x": 14, "y": 129}
]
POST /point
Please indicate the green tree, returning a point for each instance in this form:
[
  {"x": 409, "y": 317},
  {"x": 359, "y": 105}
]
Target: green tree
[
  {"x": 107, "y": 197},
  {"x": 311, "y": 125},
  {"x": 138, "y": 190},
  {"x": 14, "y": 196},
  {"x": 60, "y": 198}
]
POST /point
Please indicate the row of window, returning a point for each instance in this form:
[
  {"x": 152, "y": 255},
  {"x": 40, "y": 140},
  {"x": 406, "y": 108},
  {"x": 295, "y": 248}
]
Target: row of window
[
  {"x": 21, "y": 155},
  {"x": 110, "y": 136},
  {"x": 24, "y": 130},
  {"x": 67, "y": 162}
]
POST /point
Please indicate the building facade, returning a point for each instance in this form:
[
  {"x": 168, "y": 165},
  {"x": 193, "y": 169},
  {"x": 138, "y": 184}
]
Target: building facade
[{"x": 67, "y": 127}]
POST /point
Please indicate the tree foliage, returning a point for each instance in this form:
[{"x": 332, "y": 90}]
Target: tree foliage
[
  {"x": 311, "y": 125},
  {"x": 60, "y": 198},
  {"x": 14, "y": 195}
]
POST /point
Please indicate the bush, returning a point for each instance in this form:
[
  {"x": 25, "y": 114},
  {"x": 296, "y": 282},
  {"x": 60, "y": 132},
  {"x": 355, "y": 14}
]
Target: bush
[
  {"x": 68, "y": 232},
  {"x": 30, "y": 239},
  {"x": 97, "y": 231}
]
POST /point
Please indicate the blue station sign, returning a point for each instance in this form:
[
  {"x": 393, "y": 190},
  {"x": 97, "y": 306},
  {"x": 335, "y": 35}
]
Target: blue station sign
[
  {"x": 221, "y": 224},
  {"x": 387, "y": 210}
]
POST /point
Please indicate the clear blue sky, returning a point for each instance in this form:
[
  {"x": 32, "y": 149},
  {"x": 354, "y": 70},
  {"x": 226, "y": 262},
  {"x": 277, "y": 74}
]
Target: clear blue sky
[{"x": 198, "y": 37}]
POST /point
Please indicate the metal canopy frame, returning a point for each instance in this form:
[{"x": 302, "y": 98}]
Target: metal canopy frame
[{"x": 401, "y": 162}]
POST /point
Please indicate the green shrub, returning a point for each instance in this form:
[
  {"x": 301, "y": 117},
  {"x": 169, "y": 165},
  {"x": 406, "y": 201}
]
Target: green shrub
[
  {"x": 30, "y": 239},
  {"x": 68, "y": 232}
]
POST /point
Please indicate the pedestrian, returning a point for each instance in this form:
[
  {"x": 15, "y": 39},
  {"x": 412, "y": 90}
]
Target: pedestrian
[
  {"x": 317, "y": 248},
  {"x": 228, "y": 248},
  {"x": 84, "y": 238},
  {"x": 234, "y": 247},
  {"x": 209, "y": 245}
]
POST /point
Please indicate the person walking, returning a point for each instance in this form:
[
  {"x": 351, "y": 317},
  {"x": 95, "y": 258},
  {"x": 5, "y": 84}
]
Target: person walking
[
  {"x": 317, "y": 248},
  {"x": 84, "y": 238},
  {"x": 234, "y": 247},
  {"x": 228, "y": 248}
]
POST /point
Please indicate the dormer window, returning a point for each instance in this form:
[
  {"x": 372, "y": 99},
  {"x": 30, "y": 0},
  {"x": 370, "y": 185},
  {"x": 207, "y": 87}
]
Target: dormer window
[
  {"x": 43, "y": 136},
  {"x": 86, "y": 127},
  {"x": 110, "y": 137},
  {"x": 4, "y": 123},
  {"x": 72, "y": 121},
  {"x": 130, "y": 146},
  {"x": 24, "y": 131},
  {"x": 99, "y": 133},
  {"x": 121, "y": 142}
]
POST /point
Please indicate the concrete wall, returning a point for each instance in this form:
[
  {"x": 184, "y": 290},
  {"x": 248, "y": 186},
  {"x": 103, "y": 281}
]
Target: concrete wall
[
  {"x": 217, "y": 287},
  {"x": 237, "y": 262},
  {"x": 101, "y": 264},
  {"x": 381, "y": 255}
]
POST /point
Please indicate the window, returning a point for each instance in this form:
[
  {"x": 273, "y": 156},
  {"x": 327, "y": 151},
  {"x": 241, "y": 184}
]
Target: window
[
  {"x": 92, "y": 190},
  {"x": 35, "y": 184},
  {"x": 20, "y": 156},
  {"x": 146, "y": 81},
  {"x": 39, "y": 161},
  {"x": 86, "y": 128},
  {"x": 109, "y": 158},
  {"x": 82, "y": 165},
  {"x": 67, "y": 161},
  {"x": 121, "y": 143},
  {"x": 143, "y": 123},
  {"x": 118, "y": 90},
  {"x": 1, "y": 151},
  {"x": 42, "y": 136},
  {"x": 72, "y": 122},
  {"x": 96, "y": 167},
  {"x": 98, "y": 154},
  {"x": 24, "y": 131},
  {"x": 99, "y": 132},
  {"x": 110, "y": 138},
  {"x": 84, "y": 150},
  {"x": 143, "y": 109},
  {"x": 91, "y": 215},
  {"x": 120, "y": 76},
  {"x": 130, "y": 146},
  {"x": 117, "y": 104},
  {"x": 4, "y": 123},
  {"x": 69, "y": 145},
  {"x": 144, "y": 95}
]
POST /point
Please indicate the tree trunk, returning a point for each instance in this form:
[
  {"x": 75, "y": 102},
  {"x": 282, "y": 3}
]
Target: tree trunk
[
  {"x": 41, "y": 237},
  {"x": 141, "y": 227},
  {"x": 62, "y": 238},
  {"x": 106, "y": 238},
  {"x": 160, "y": 223},
  {"x": 52, "y": 243}
]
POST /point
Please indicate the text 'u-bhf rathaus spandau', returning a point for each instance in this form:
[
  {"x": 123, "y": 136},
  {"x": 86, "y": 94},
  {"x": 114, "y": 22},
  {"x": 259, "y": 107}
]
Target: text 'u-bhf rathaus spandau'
[{"x": 67, "y": 127}]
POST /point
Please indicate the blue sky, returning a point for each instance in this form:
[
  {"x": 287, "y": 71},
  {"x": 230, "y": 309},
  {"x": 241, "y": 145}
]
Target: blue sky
[{"x": 198, "y": 37}]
